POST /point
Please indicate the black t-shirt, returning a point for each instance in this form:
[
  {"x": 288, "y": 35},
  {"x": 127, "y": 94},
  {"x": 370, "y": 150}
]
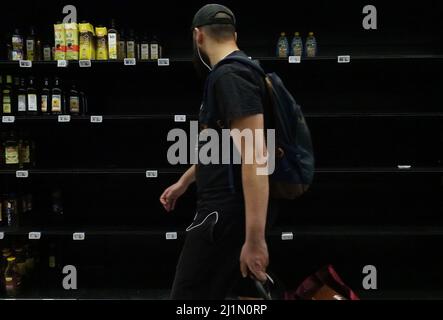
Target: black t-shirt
[{"x": 239, "y": 91}]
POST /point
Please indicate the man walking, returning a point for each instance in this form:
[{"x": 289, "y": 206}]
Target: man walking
[{"x": 227, "y": 237}]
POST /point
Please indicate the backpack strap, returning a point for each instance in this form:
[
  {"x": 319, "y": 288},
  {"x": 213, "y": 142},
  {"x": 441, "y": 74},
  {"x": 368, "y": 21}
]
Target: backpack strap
[{"x": 243, "y": 60}]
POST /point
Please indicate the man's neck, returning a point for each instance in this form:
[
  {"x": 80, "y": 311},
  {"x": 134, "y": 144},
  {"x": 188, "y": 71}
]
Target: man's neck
[{"x": 221, "y": 52}]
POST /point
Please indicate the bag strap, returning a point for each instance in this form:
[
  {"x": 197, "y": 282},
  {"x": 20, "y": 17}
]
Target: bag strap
[{"x": 268, "y": 82}]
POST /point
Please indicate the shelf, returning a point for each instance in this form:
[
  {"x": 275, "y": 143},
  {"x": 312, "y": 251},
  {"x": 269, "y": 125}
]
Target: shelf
[
  {"x": 172, "y": 171},
  {"x": 362, "y": 57},
  {"x": 188, "y": 60},
  {"x": 299, "y": 231},
  {"x": 148, "y": 117},
  {"x": 87, "y": 118}
]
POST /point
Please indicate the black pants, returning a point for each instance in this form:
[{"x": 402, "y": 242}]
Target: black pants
[{"x": 209, "y": 267}]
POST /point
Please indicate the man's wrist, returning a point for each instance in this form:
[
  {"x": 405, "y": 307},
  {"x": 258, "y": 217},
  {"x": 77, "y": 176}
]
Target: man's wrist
[{"x": 256, "y": 238}]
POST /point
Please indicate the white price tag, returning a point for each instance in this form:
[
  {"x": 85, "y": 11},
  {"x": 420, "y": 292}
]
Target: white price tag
[
  {"x": 171, "y": 236},
  {"x": 64, "y": 118},
  {"x": 152, "y": 174},
  {"x": 130, "y": 62},
  {"x": 25, "y": 64},
  {"x": 294, "y": 59},
  {"x": 180, "y": 118},
  {"x": 8, "y": 119},
  {"x": 404, "y": 167},
  {"x": 96, "y": 119},
  {"x": 2, "y": 235},
  {"x": 62, "y": 63},
  {"x": 163, "y": 62},
  {"x": 344, "y": 59},
  {"x": 22, "y": 174},
  {"x": 287, "y": 236},
  {"x": 34, "y": 235},
  {"x": 84, "y": 63},
  {"x": 78, "y": 236}
]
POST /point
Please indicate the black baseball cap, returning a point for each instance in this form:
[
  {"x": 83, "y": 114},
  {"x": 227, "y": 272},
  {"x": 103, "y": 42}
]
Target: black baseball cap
[{"x": 206, "y": 16}]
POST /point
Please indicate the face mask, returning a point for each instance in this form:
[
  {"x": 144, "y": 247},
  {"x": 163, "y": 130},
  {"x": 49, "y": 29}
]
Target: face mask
[{"x": 199, "y": 60}]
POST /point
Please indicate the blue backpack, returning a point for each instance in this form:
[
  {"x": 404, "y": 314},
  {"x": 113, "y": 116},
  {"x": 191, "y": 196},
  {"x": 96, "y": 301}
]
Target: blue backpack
[{"x": 294, "y": 159}]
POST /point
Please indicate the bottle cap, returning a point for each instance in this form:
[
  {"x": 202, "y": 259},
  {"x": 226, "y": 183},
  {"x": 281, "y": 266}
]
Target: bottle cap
[
  {"x": 283, "y": 34},
  {"x": 297, "y": 34},
  {"x": 311, "y": 34}
]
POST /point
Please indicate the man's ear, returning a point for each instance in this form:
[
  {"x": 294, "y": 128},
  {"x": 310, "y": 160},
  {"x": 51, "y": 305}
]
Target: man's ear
[{"x": 198, "y": 35}]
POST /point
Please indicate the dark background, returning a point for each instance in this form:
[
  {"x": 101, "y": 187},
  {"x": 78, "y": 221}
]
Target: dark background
[{"x": 366, "y": 118}]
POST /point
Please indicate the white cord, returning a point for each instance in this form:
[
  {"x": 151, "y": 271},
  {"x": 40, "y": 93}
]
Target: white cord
[{"x": 198, "y": 50}]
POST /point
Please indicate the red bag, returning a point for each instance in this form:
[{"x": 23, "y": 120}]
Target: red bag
[{"x": 325, "y": 284}]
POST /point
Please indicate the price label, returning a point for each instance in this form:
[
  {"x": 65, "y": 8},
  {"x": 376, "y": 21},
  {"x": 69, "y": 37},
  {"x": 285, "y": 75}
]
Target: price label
[
  {"x": 287, "y": 236},
  {"x": 171, "y": 236},
  {"x": 34, "y": 235},
  {"x": 64, "y": 118},
  {"x": 8, "y": 119},
  {"x": 404, "y": 167},
  {"x": 163, "y": 62},
  {"x": 96, "y": 119},
  {"x": 22, "y": 174},
  {"x": 78, "y": 236},
  {"x": 130, "y": 62},
  {"x": 344, "y": 59},
  {"x": 294, "y": 59},
  {"x": 62, "y": 63},
  {"x": 84, "y": 63},
  {"x": 180, "y": 118},
  {"x": 25, "y": 64},
  {"x": 152, "y": 174},
  {"x": 2, "y": 235}
]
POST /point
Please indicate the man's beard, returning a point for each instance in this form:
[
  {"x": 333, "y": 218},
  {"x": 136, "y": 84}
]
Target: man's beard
[{"x": 199, "y": 66}]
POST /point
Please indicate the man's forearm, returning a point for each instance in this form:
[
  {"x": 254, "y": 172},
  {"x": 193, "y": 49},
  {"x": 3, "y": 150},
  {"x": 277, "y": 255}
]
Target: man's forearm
[
  {"x": 256, "y": 194},
  {"x": 189, "y": 176}
]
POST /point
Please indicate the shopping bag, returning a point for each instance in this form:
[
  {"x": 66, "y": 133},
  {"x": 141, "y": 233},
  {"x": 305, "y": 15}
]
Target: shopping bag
[{"x": 325, "y": 284}]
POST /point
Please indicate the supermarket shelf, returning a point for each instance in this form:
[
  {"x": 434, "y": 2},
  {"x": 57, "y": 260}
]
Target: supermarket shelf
[
  {"x": 172, "y": 60},
  {"x": 172, "y": 171},
  {"x": 147, "y": 117},
  {"x": 164, "y": 294},
  {"x": 362, "y": 57},
  {"x": 87, "y": 118},
  {"x": 299, "y": 231}
]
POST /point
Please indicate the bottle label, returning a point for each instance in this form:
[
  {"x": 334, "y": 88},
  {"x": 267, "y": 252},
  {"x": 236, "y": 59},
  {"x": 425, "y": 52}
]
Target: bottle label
[
  {"x": 17, "y": 43},
  {"x": 154, "y": 51},
  {"x": 74, "y": 104},
  {"x": 32, "y": 102},
  {"x": 52, "y": 262},
  {"x": 102, "y": 49},
  {"x": 131, "y": 49},
  {"x": 297, "y": 49},
  {"x": 11, "y": 155},
  {"x": 56, "y": 104},
  {"x": 30, "y": 49},
  {"x": 121, "y": 50},
  {"x": 21, "y": 103},
  {"x": 44, "y": 103},
  {"x": 282, "y": 51},
  {"x": 112, "y": 44},
  {"x": 25, "y": 154},
  {"x": 7, "y": 104},
  {"x": 47, "y": 54},
  {"x": 145, "y": 52}
]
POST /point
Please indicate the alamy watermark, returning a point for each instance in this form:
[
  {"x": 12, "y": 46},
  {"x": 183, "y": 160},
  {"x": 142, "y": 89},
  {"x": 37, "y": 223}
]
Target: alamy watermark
[{"x": 251, "y": 141}]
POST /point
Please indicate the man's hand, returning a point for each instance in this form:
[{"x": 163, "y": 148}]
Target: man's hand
[
  {"x": 171, "y": 194},
  {"x": 254, "y": 259}
]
